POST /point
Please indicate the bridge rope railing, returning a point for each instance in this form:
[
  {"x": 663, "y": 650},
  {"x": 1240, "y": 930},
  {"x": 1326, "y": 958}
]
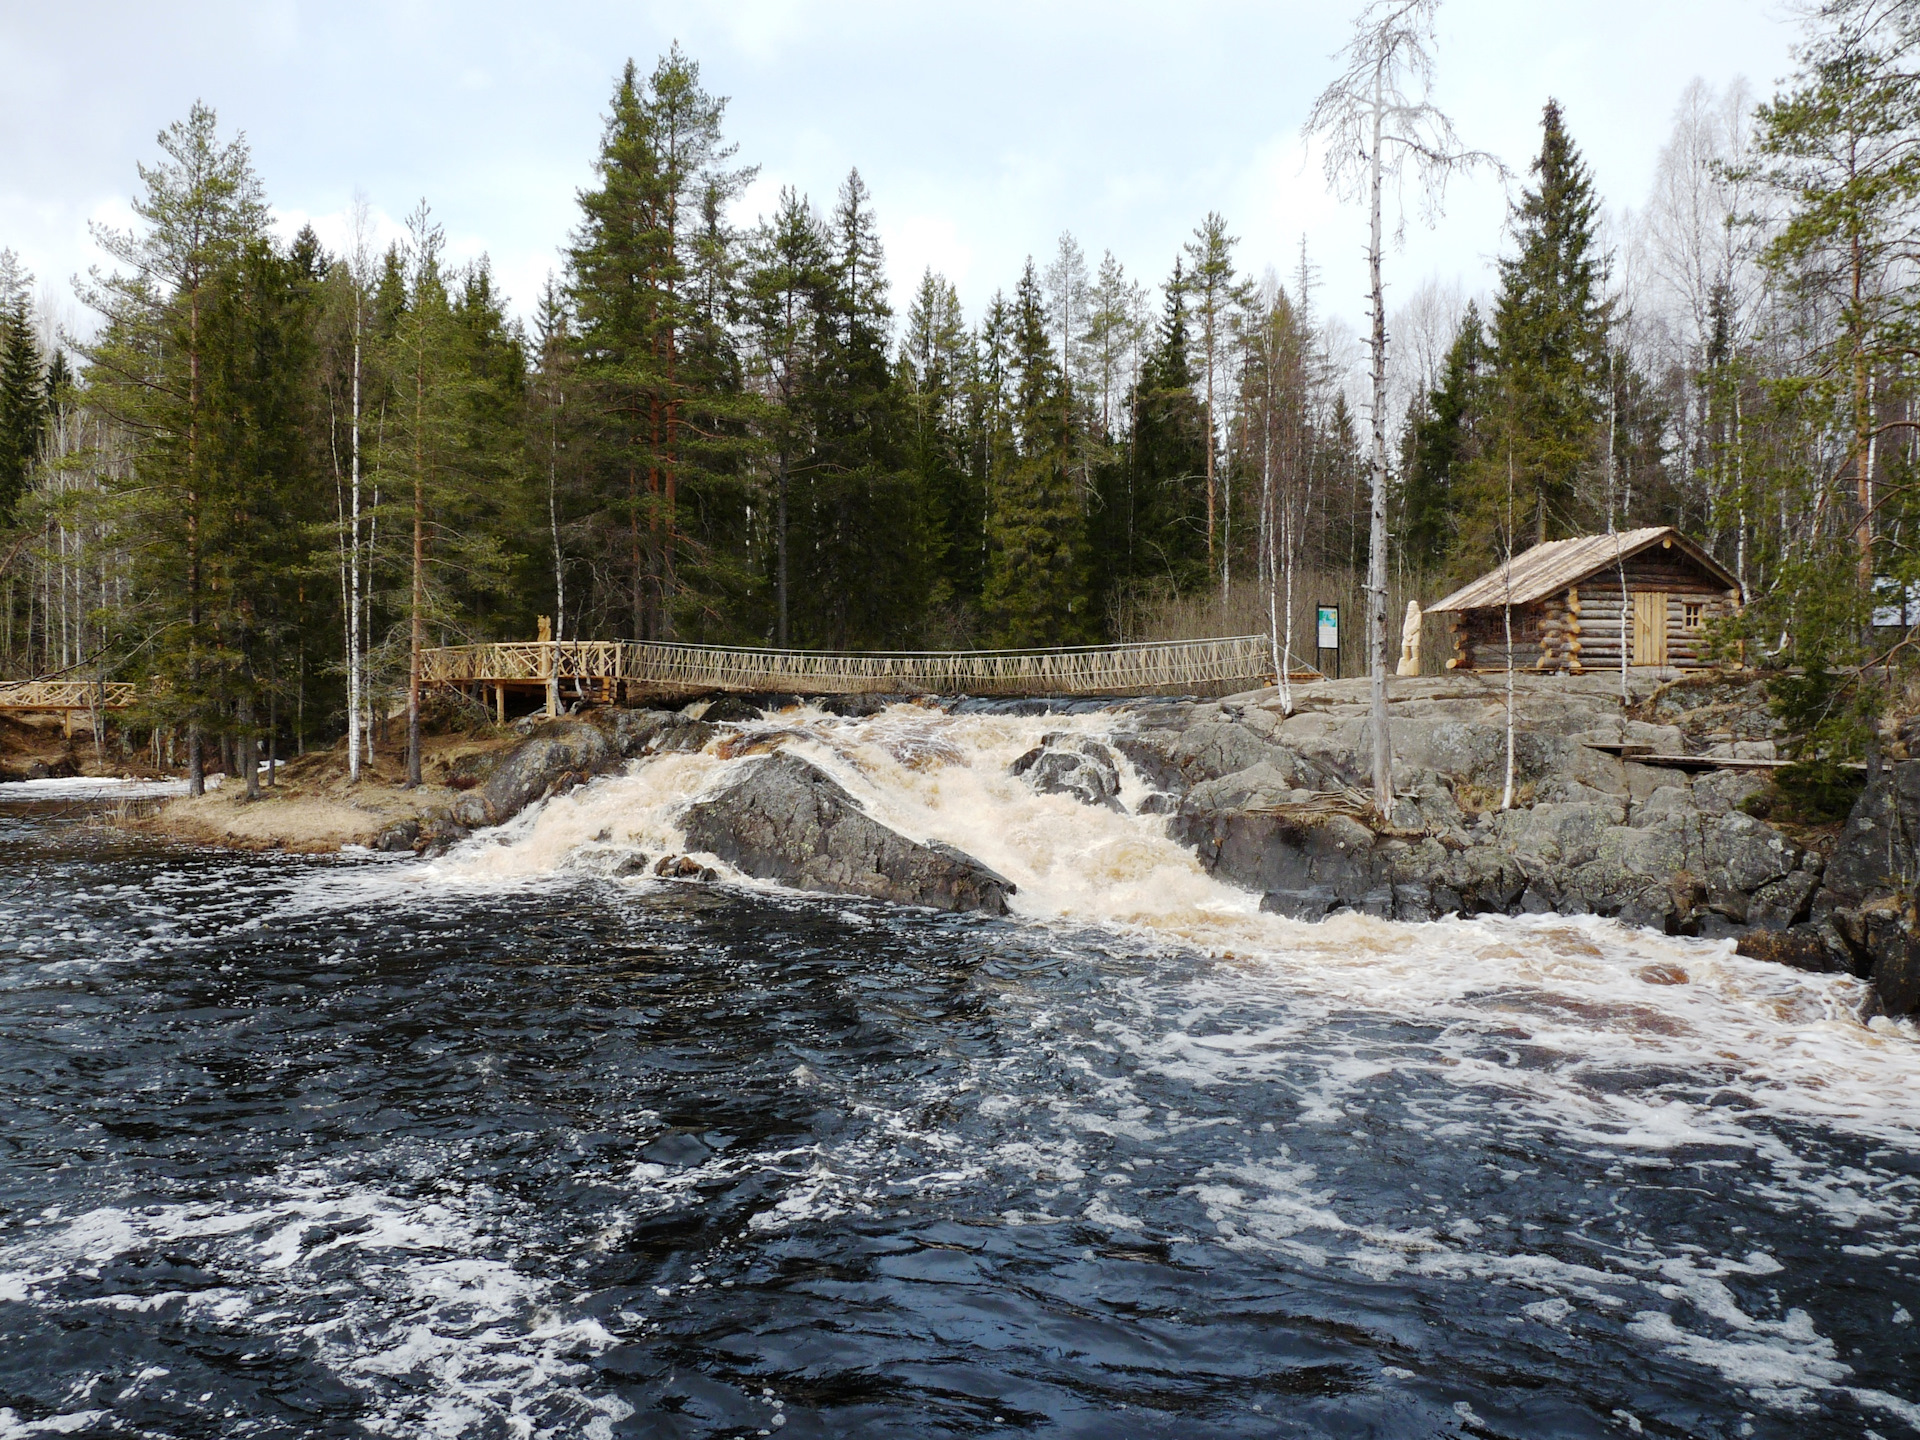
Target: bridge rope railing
[{"x": 1127, "y": 669}]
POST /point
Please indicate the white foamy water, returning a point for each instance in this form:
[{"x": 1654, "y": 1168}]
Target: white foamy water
[
  {"x": 389, "y": 1287},
  {"x": 1594, "y": 990},
  {"x": 1587, "y": 998}
]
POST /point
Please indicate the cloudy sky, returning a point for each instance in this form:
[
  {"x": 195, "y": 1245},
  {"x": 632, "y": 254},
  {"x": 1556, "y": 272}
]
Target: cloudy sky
[{"x": 982, "y": 129}]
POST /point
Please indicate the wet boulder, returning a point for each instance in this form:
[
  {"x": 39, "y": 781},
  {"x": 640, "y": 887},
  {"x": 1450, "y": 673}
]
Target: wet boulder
[
  {"x": 1072, "y": 765},
  {"x": 656, "y": 732},
  {"x": 553, "y": 756},
  {"x": 1805, "y": 947},
  {"x": 781, "y": 818},
  {"x": 730, "y": 709},
  {"x": 1875, "y": 854},
  {"x": 1305, "y": 867}
]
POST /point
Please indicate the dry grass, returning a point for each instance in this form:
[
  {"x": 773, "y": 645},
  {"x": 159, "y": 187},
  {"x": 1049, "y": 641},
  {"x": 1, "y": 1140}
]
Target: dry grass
[
  {"x": 1244, "y": 611},
  {"x": 315, "y": 808}
]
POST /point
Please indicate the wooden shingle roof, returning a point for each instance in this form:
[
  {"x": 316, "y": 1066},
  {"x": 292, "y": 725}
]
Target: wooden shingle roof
[{"x": 1557, "y": 564}]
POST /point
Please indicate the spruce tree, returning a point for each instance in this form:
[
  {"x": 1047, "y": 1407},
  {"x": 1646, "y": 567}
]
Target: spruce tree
[
  {"x": 1442, "y": 442},
  {"x": 1036, "y": 583},
  {"x": 1549, "y": 340},
  {"x": 861, "y": 579},
  {"x": 1150, "y": 525},
  {"x": 23, "y": 403},
  {"x": 934, "y": 357},
  {"x": 786, "y": 290}
]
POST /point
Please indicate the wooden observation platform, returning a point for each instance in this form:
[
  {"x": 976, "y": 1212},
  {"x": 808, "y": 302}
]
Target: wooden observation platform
[
  {"x": 65, "y": 694},
  {"x": 609, "y": 670}
]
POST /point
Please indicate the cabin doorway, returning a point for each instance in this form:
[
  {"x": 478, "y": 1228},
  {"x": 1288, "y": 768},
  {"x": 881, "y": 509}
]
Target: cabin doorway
[{"x": 1650, "y": 628}]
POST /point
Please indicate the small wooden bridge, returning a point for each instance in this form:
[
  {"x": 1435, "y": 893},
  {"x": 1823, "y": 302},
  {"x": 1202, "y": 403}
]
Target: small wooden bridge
[{"x": 606, "y": 670}]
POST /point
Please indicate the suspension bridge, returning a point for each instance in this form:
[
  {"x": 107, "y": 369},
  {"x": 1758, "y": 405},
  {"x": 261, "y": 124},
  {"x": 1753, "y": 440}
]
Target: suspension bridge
[{"x": 608, "y": 670}]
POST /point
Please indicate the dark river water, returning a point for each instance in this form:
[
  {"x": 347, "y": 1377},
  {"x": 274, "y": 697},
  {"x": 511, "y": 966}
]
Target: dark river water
[{"x": 314, "y": 1148}]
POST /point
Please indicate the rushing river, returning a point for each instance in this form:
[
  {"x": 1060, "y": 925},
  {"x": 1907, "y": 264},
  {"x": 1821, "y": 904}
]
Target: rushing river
[{"x": 503, "y": 1145}]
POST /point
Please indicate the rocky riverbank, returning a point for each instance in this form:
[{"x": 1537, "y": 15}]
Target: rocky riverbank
[{"x": 1271, "y": 801}]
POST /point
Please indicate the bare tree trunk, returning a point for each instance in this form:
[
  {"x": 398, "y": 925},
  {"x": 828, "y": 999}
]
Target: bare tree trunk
[
  {"x": 417, "y": 636},
  {"x": 1506, "y": 793},
  {"x": 553, "y": 521},
  {"x": 781, "y": 522},
  {"x": 356, "y": 677},
  {"x": 1377, "y": 482}
]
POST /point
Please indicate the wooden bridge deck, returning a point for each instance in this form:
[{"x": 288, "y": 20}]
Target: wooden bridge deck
[{"x": 603, "y": 669}]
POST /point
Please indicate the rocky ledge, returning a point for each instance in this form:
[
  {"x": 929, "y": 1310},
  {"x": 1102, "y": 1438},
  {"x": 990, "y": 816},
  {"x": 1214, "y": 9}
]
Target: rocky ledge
[{"x": 1271, "y": 799}]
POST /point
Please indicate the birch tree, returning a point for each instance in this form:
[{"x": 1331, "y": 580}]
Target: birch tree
[{"x": 1376, "y": 121}]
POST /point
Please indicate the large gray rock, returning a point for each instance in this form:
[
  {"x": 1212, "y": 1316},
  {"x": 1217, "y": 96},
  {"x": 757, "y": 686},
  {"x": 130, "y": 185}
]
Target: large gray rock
[
  {"x": 1178, "y": 759},
  {"x": 1720, "y": 791},
  {"x": 780, "y": 818},
  {"x": 1893, "y": 940},
  {"x": 1303, "y": 867},
  {"x": 1072, "y": 765},
  {"x": 556, "y": 753},
  {"x": 1559, "y": 835},
  {"x": 1875, "y": 854},
  {"x": 654, "y": 732},
  {"x": 1743, "y": 854}
]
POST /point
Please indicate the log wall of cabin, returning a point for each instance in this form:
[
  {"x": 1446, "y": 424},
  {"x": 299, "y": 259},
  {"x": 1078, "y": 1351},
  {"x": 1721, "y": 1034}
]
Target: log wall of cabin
[
  {"x": 1484, "y": 638},
  {"x": 1667, "y": 571},
  {"x": 1579, "y": 628}
]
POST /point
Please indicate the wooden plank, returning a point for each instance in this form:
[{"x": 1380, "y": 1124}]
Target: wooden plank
[{"x": 1650, "y": 628}]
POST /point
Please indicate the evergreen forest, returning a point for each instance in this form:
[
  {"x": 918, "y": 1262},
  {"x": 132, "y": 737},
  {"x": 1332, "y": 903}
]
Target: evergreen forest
[{"x": 269, "y": 472}]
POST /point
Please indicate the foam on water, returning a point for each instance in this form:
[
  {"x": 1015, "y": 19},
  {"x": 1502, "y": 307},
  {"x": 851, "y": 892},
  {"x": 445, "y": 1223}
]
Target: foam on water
[
  {"x": 1633, "y": 1059},
  {"x": 387, "y": 1286},
  {"x": 1587, "y": 1000},
  {"x": 1598, "y": 992}
]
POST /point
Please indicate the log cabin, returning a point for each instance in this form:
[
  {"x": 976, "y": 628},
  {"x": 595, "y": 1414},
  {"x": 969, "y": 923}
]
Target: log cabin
[{"x": 1576, "y": 602}]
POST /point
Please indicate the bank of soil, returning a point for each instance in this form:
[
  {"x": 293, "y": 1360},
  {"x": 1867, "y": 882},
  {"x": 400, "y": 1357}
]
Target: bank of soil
[
  {"x": 314, "y": 807},
  {"x": 37, "y": 746}
]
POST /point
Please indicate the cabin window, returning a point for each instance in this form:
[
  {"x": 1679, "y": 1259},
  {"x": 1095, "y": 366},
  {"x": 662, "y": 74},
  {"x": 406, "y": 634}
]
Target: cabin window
[{"x": 1691, "y": 613}]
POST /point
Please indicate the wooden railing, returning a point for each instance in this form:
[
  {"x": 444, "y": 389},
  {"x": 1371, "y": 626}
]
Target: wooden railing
[
  {"x": 1175, "y": 666},
  {"x": 65, "y": 694}
]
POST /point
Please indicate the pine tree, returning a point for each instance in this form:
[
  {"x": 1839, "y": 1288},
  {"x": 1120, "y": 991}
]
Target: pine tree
[
  {"x": 642, "y": 274},
  {"x": 1549, "y": 340},
  {"x": 148, "y": 369},
  {"x": 444, "y": 452},
  {"x": 1211, "y": 283},
  {"x": 1036, "y": 583}
]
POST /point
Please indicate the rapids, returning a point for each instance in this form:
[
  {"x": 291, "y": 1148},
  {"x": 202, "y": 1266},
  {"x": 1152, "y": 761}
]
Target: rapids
[{"x": 507, "y": 1144}]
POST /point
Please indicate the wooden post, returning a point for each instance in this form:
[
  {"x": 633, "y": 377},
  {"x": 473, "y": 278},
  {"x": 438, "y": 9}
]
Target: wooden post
[
  {"x": 499, "y": 704},
  {"x": 550, "y": 658}
]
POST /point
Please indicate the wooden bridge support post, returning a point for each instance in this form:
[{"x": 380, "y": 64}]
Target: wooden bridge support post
[{"x": 499, "y": 704}]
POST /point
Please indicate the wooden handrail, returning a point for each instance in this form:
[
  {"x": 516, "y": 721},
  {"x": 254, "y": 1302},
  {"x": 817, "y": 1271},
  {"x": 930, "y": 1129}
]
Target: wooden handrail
[
  {"x": 1170, "y": 665},
  {"x": 65, "y": 694}
]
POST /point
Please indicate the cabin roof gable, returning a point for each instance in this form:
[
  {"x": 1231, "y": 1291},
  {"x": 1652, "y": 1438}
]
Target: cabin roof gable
[{"x": 1558, "y": 564}]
